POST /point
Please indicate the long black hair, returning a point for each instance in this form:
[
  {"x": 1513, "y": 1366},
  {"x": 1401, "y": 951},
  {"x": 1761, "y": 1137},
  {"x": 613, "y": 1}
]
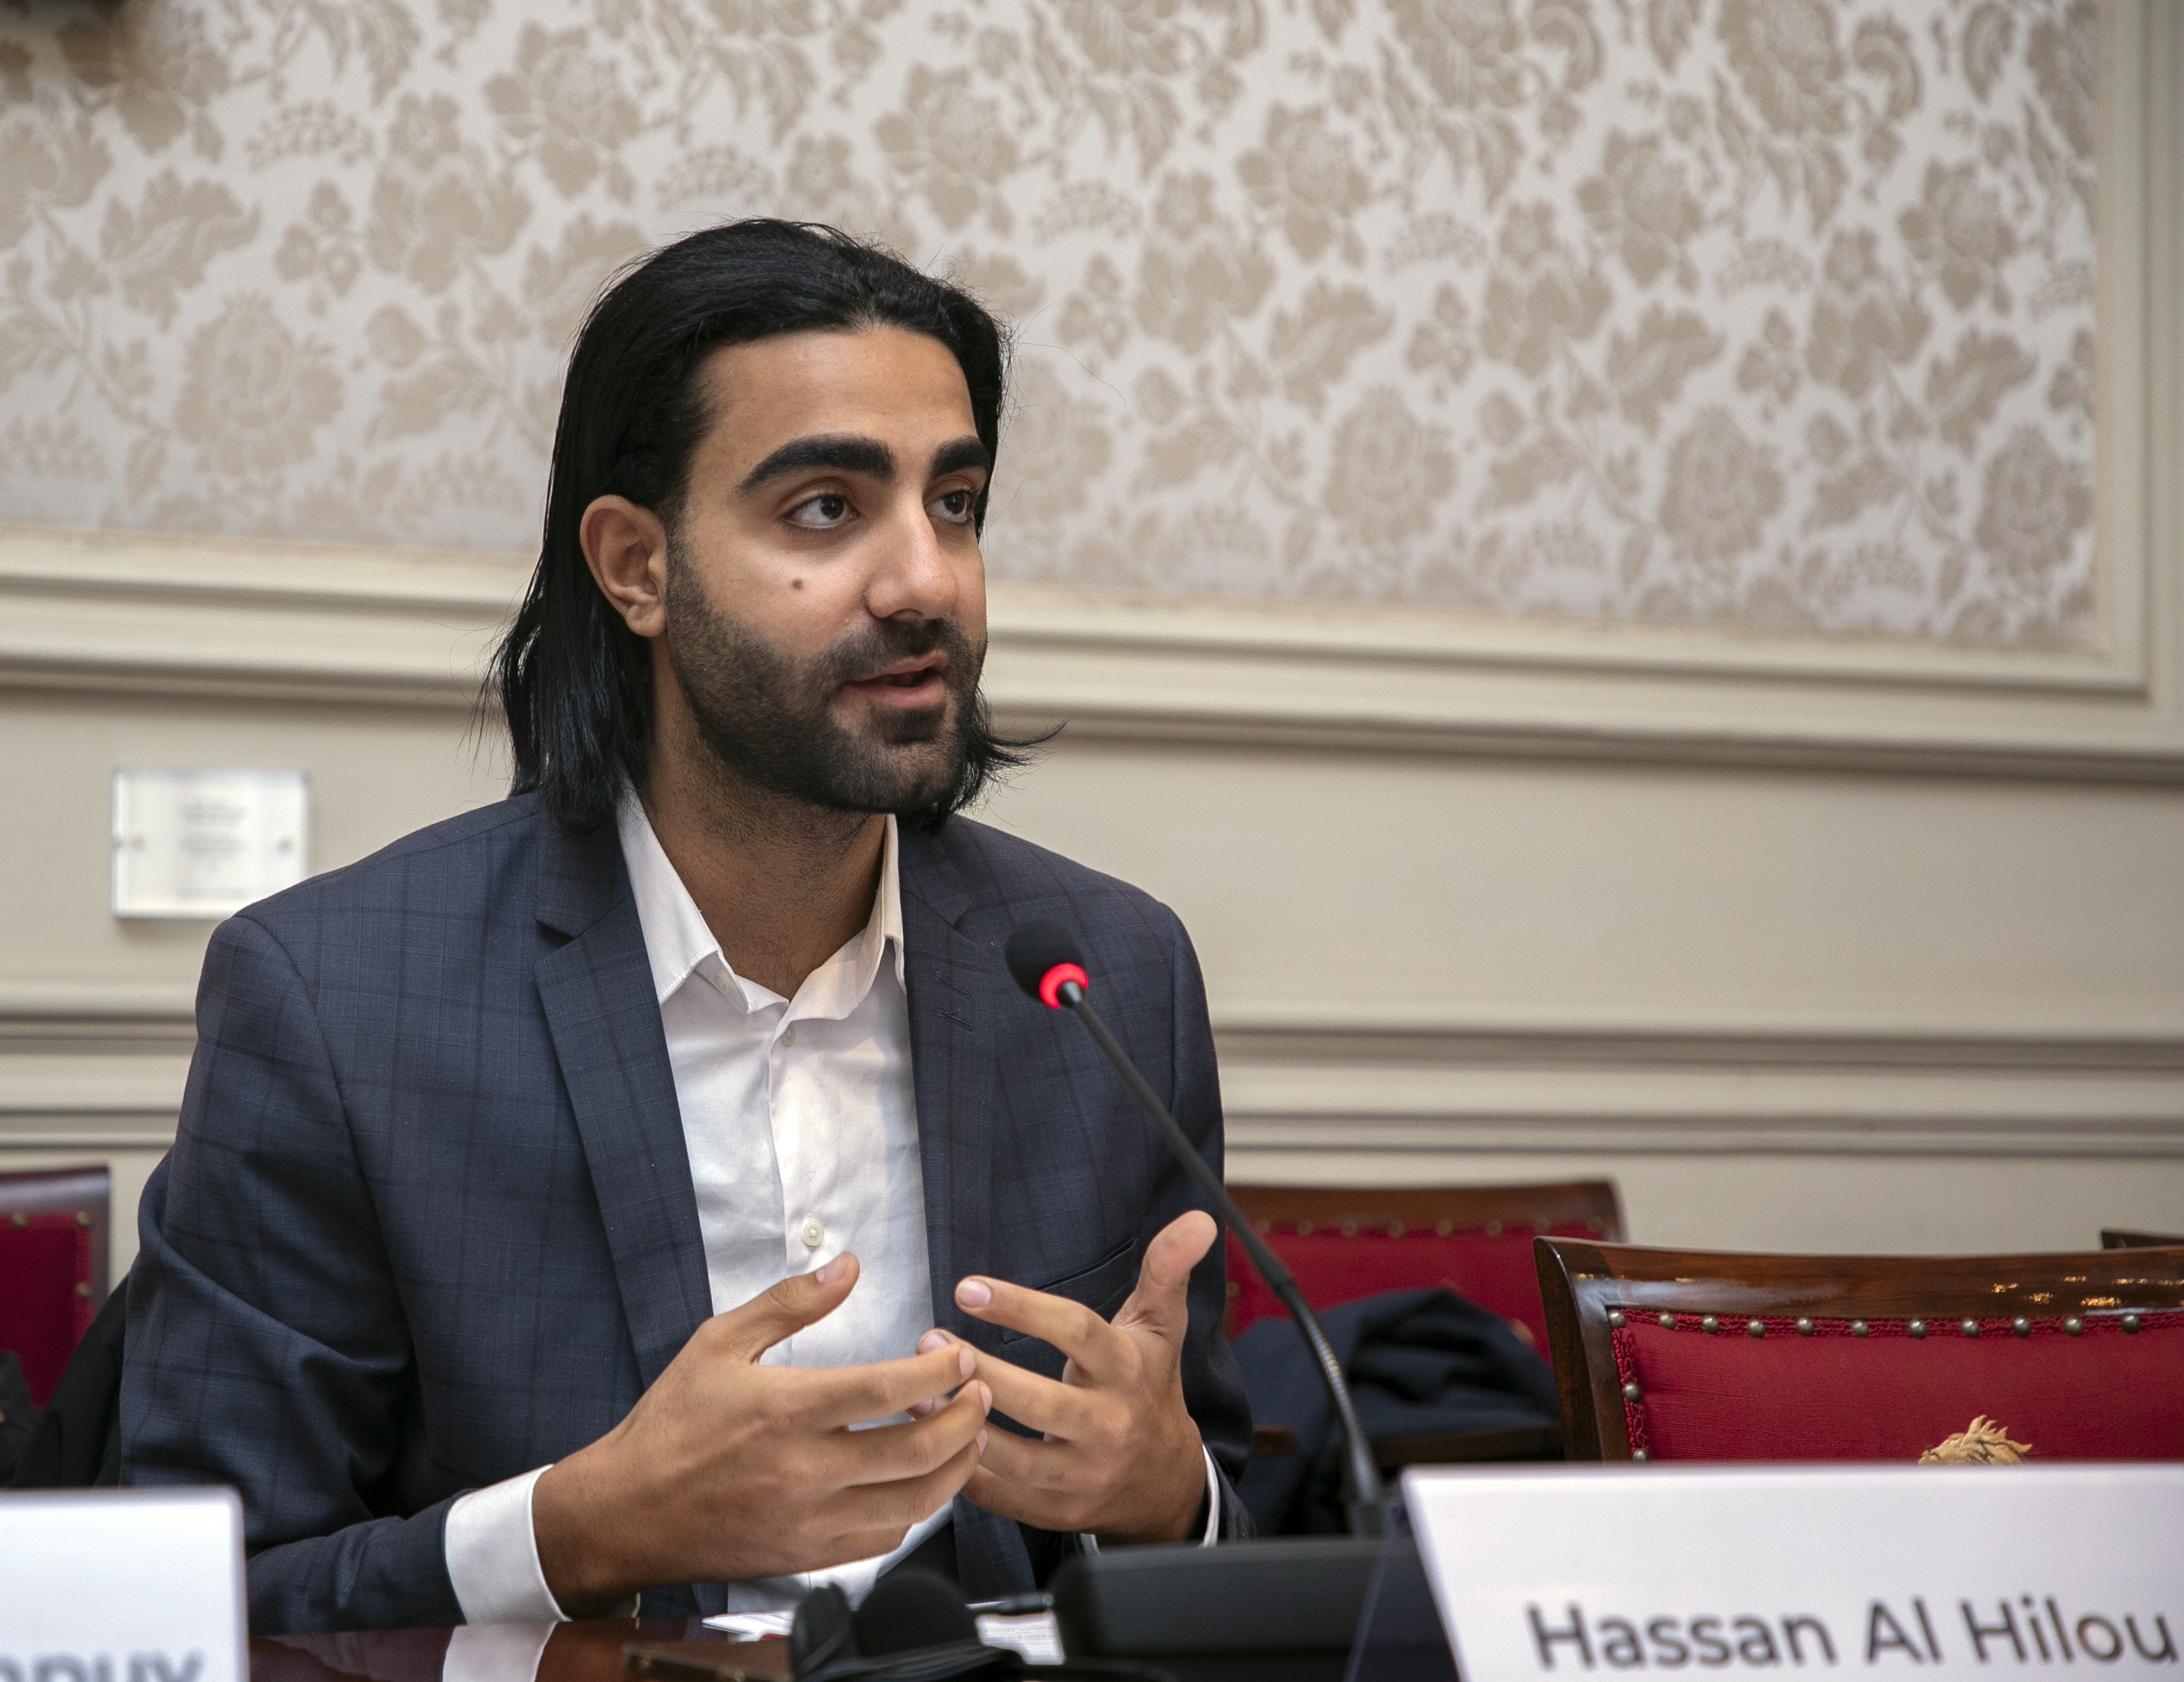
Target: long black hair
[{"x": 575, "y": 682}]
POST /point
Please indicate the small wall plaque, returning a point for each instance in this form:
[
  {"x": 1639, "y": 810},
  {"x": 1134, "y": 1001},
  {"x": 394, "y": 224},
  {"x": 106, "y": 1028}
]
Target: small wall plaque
[{"x": 205, "y": 843}]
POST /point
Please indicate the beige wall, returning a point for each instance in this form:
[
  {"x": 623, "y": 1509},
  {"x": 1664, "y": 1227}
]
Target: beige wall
[
  {"x": 1783, "y": 1008},
  {"x": 1859, "y": 933}
]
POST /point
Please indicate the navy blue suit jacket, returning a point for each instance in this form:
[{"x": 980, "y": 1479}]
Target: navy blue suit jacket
[{"x": 428, "y": 1220}]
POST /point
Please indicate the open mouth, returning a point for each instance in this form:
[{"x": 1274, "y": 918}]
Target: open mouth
[{"x": 909, "y": 683}]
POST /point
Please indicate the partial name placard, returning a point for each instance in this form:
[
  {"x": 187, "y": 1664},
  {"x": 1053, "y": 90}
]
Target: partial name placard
[
  {"x": 122, "y": 1586},
  {"x": 1869, "y": 1571}
]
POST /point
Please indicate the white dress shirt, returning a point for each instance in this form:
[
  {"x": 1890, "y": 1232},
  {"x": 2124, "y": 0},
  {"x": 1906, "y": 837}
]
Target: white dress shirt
[{"x": 799, "y": 1116}]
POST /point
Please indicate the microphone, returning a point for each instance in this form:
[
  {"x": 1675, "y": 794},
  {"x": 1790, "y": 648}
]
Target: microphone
[{"x": 1046, "y": 964}]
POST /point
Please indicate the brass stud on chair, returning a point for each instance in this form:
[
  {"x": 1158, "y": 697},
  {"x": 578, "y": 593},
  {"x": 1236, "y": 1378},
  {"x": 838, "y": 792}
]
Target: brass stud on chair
[
  {"x": 83, "y": 1287},
  {"x": 1235, "y": 1290},
  {"x": 1615, "y": 1318},
  {"x": 1631, "y": 1391},
  {"x": 1917, "y": 1329},
  {"x": 1594, "y": 1225},
  {"x": 1395, "y": 1229},
  {"x": 1804, "y": 1327},
  {"x": 2021, "y": 1326},
  {"x": 1708, "y": 1323},
  {"x": 1668, "y": 1322},
  {"x": 1494, "y": 1229},
  {"x": 2131, "y": 1322},
  {"x": 1349, "y": 1230},
  {"x": 1639, "y": 1454},
  {"x": 83, "y": 1218},
  {"x": 1263, "y": 1225},
  {"x": 1858, "y": 1329},
  {"x": 2074, "y": 1325},
  {"x": 1540, "y": 1223},
  {"x": 1755, "y": 1328},
  {"x": 1304, "y": 1229},
  {"x": 1968, "y": 1326},
  {"x": 1443, "y": 1228},
  {"x": 18, "y": 1219}
]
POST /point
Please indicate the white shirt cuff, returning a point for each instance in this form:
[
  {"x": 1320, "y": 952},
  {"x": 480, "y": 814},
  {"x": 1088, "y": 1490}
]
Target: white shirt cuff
[
  {"x": 492, "y": 1557},
  {"x": 1212, "y": 1509}
]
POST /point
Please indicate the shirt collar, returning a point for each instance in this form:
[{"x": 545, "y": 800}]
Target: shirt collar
[{"x": 679, "y": 944}]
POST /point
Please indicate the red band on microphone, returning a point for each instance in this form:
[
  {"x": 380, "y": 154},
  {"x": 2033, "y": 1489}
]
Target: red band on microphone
[{"x": 1050, "y": 984}]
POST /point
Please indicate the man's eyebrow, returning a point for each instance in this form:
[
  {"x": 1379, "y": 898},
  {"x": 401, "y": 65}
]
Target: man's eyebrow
[
  {"x": 962, "y": 453},
  {"x": 845, "y": 453}
]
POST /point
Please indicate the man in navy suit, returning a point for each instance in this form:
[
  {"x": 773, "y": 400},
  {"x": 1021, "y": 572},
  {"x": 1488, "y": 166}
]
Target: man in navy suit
[{"x": 652, "y": 1186}]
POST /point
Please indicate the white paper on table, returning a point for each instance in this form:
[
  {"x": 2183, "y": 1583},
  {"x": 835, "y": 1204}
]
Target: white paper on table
[
  {"x": 752, "y": 1626},
  {"x": 1035, "y": 1634}
]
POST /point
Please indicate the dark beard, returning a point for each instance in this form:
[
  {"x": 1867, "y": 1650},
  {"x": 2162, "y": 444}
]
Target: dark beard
[{"x": 766, "y": 715}]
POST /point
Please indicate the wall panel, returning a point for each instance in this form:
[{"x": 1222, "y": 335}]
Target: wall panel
[{"x": 1846, "y": 920}]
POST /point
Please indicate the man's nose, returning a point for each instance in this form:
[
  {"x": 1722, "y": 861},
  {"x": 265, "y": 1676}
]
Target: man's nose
[{"x": 911, "y": 574}]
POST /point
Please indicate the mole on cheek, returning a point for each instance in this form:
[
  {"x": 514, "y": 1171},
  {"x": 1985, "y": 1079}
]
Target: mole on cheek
[{"x": 796, "y": 583}]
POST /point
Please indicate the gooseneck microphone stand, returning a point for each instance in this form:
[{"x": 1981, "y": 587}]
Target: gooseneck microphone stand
[{"x": 1044, "y": 960}]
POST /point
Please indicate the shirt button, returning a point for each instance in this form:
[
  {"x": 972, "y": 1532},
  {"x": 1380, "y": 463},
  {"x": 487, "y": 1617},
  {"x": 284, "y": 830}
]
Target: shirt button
[
  {"x": 788, "y": 1034},
  {"x": 813, "y": 1235}
]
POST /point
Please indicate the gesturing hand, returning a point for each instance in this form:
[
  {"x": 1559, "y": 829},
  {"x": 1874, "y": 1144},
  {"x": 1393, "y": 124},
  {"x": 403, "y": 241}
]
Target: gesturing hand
[
  {"x": 727, "y": 1469},
  {"x": 1120, "y": 1456}
]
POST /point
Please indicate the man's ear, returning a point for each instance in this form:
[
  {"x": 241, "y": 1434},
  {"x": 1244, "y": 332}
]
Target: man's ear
[{"x": 626, "y": 547}]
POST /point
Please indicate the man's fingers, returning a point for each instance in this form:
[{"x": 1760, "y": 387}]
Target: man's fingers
[
  {"x": 1070, "y": 1327},
  {"x": 1161, "y": 1301},
  {"x": 849, "y": 1396},
  {"x": 1039, "y": 1404},
  {"x": 782, "y": 1310},
  {"x": 889, "y": 1454},
  {"x": 1028, "y": 1463},
  {"x": 899, "y": 1505},
  {"x": 1049, "y": 1509}
]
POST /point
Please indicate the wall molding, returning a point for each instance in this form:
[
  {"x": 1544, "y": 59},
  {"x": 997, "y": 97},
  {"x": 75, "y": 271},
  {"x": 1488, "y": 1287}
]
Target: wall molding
[
  {"x": 252, "y": 622},
  {"x": 84, "y": 1066}
]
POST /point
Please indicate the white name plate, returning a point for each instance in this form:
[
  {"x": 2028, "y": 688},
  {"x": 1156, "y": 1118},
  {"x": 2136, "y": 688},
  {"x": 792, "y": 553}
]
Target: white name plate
[
  {"x": 1587, "y": 1571},
  {"x": 122, "y": 1586}
]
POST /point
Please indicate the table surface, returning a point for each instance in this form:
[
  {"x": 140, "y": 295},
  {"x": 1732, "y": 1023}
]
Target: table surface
[{"x": 587, "y": 1651}]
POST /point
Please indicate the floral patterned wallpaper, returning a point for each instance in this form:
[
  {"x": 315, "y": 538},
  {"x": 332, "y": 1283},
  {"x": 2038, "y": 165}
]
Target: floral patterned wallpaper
[{"x": 1771, "y": 312}]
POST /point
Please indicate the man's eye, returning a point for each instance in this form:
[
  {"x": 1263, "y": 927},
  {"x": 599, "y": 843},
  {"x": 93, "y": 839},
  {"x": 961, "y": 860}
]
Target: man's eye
[
  {"x": 955, "y": 506},
  {"x": 818, "y": 514}
]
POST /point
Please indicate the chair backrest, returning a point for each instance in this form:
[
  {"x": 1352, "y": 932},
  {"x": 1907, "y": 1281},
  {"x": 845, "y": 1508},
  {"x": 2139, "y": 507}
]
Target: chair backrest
[
  {"x": 2114, "y": 1238},
  {"x": 53, "y": 1231},
  {"x": 1343, "y": 1243},
  {"x": 1693, "y": 1355}
]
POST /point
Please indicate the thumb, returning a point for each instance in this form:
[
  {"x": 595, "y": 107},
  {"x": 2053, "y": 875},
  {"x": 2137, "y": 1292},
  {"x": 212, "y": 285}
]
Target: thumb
[
  {"x": 1161, "y": 1301},
  {"x": 782, "y": 1310}
]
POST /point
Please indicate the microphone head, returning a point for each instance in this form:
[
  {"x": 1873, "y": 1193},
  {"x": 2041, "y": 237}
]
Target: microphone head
[
  {"x": 1042, "y": 955},
  {"x": 912, "y": 1608}
]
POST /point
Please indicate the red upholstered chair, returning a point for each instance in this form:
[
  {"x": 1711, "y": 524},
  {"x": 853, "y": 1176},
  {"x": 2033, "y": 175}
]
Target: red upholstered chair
[
  {"x": 1345, "y": 1243},
  {"x": 1692, "y": 1355},
  {"x": 52, "y": 1267}
]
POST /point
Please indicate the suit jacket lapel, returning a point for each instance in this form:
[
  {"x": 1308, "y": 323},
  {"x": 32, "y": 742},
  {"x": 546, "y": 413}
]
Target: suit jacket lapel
[
  {"x": 956, "y": 1070},
  {"x": 955, "y": 1063},
  {"x": 597, "y": 991}
]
